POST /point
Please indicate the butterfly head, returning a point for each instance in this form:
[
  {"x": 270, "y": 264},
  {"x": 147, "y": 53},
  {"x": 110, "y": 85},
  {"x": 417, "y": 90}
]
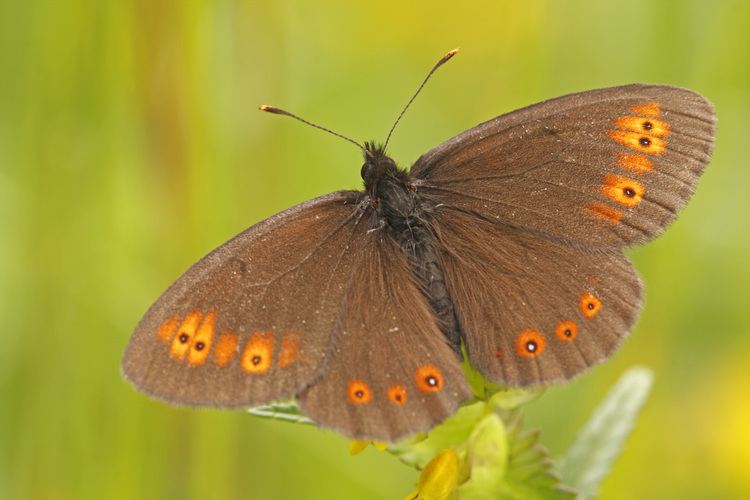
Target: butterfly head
[{"x": 377, "y": 166}]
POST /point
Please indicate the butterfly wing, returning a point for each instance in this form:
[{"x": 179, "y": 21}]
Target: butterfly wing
[
  {"x": 532, "y": 310},
  {"x": 607, "y": 168},
  {"x": 392, "y": 373},
  {"x": 251, "y": 322}
]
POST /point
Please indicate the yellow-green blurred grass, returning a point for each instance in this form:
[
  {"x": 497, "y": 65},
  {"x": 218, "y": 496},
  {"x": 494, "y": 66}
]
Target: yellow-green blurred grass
[{"x": 130, "y": 145}]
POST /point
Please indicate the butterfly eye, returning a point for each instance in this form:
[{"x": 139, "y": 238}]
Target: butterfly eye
[{"x": 366, "y": 171}]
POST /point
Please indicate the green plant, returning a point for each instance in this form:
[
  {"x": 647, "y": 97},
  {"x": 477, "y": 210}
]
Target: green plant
[{"x": 483, "y": 452}]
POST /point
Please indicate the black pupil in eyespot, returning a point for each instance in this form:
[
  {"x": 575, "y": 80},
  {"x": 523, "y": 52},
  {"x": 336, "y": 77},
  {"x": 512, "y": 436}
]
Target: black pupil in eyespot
[
  {"x": 531, "y": 346},
  {"x": 567, "y": 332},
  {"x": 648, "y": 125},
  {"x": 359, "y": 393},
  {"x": 184, "y": 338},
  {"x": 629, "y": 192},
  {"x": 256, "y": 359},
  {"x": 431, "y": 381},
  {"x": 645, "y": 141},
  {"x": 199, "y": 346},
  {"x": 590, "y": 305}
]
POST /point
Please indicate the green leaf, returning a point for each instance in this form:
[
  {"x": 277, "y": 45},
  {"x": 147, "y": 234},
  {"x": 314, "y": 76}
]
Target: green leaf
[
  {"x": 600, "y": 441},
  {"x": 487, "y": 457},
  {"x": 287, "y": 411},
  {"x": 452, "y": 433},
  {"x": 530, "y": 473}
]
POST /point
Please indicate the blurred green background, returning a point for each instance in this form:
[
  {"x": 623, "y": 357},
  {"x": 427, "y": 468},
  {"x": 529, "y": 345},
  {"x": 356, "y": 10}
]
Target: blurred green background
[{"x": 131, "y": 145}]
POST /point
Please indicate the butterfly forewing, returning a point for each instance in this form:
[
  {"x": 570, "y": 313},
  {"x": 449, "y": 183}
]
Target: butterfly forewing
[
  {"x": 392, "y": 372},
  {"x": 607, "y": 168},
  {"x": 252, "y": 321},
  {"x": 533, "y": 311}
]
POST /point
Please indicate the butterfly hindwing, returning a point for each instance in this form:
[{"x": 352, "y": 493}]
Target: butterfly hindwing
[
  {"x": 607, "y": 168},
  {"x": 531, "y": 310},
  {"x": 251, "y": 322},
  {"x": 392, "y": 372}
]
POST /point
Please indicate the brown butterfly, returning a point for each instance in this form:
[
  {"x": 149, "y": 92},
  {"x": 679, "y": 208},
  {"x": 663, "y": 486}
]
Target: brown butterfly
[{"x": 505, "y": 241}]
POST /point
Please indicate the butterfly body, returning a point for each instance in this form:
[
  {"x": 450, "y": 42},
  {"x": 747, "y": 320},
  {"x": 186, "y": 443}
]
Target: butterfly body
[
  {"x": 402, "y": 215},
  {"x": 505, "y": 242}
]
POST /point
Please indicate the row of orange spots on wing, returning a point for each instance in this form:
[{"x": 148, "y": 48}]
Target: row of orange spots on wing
[
  {"x": 193, "y": 338},
  {"x": 646, "y": 134},
  {"x": 427, "y": 378},
  {"x": 530, "y": 343}
]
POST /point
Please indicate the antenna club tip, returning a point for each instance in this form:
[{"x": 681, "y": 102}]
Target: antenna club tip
[
  {"x": 264, "y": 107},
  {"x": 453, "y": 52}
]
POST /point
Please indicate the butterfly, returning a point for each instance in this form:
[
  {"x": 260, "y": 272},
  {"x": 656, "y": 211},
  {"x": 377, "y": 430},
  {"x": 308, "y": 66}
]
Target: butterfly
[{"x": 504, "y": 244}]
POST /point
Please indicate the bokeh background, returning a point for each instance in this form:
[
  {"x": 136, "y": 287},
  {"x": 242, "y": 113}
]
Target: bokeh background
[{"x": 131, "y": 145}]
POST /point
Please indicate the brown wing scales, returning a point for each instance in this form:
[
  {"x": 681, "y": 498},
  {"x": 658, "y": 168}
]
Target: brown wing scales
[
  {"x": 252, "y": 321},
  {"x": 392, "y": 372},
  {"x": 533, "y": 311},
  {"x": 605, "y": 168}
]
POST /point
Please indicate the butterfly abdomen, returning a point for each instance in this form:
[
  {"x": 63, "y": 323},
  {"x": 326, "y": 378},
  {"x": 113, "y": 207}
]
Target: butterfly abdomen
[{"x": 403, "y": 217}]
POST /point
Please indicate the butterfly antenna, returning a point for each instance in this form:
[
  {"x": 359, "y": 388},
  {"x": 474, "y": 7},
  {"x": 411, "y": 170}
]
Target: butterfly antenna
[
  {"x": 278, "y": 111},
  {"x": 442, "y": 61}
]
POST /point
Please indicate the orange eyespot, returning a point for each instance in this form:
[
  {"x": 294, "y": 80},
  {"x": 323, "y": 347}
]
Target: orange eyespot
[
  {"x": 397, "y": 394},
  {"x": 359, "y": 393},
  {"x": 647, "y": 126},
  {"x": 650, "y": 109},
  {"x": 589, "y": 305},
  {"x": 639, "y": 141},
  {"x": 635, "y": 163},
  {"x": 530, "y": 343},
  {"x": 226, "y": 348},
  {"x": 184, "y": 337},
  {"x": 566, "y": 330},
  {"x": 168, "y": 329},
  {"x": 428, "y": 379},
  {"x": 289, "y": 349},
  {"x": 624, "y": 191},
  {"x": 604, "y": 212},
  {"x": 256, "y": 358},
  {"x": 202, "y": 340}
]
